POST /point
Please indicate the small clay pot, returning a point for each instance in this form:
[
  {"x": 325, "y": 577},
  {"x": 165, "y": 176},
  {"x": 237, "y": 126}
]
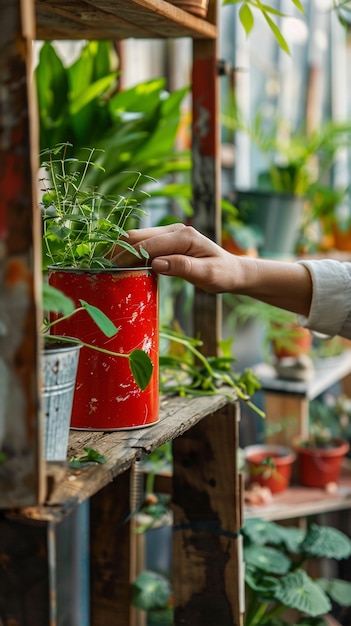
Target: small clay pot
[{"x": 270, "y": 466}]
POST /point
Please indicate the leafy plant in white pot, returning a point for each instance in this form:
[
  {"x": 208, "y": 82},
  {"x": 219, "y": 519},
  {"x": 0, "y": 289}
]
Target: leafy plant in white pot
[{"x": 81, "y": 228}]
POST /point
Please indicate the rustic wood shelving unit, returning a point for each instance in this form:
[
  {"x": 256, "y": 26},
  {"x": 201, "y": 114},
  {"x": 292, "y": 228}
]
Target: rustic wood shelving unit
[{"x": 34, "y": 497}]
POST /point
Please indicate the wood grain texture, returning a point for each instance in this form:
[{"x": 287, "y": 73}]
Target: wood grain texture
[
  {"x": 117, "y": 19},
  {"x": 206, "y": 505},
  {"x": 110, "y": 554},
  {"x": 207, "y": 311},
  {"x": 121, "y": 449},
  {"x": 19, "y": 270},
  {"x": 24, "y": 574}
]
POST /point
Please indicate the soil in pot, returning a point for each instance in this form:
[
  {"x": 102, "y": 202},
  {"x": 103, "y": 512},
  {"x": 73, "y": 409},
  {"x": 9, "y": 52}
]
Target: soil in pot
[
  {"x": 270, "y": 466},
  {"x": 318, "y": 467}
]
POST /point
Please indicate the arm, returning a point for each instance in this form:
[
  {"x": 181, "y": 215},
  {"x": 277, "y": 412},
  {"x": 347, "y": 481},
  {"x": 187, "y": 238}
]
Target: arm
[{"x": 180, "y": 250}]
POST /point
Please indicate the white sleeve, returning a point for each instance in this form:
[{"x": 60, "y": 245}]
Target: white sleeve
[{"x": 330, "y": 311}]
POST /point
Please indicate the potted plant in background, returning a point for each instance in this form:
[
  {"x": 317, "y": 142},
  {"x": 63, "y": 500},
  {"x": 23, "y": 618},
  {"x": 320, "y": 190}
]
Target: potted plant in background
[
  {"x": 297, "y": 163},
  {"x": 285, "y": 344},
  {"x": 269, "y": 466},
  {"x": 320, "y": 458},
  {"x": 81, "y": 228}
]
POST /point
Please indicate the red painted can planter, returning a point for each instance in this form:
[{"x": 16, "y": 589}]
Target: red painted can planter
[{"x": 106, "y": 396}]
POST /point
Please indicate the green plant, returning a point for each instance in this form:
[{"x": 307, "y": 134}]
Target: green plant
[
  {"x": 246, "y": 16},
  {"x": 136, "y": 128},
  {"x": 55, "y": 301},
  {"x": 152, "y": 592},
  {"x": 279, "y": 326},
  {"x": 330, "y": 417},
  {"x": 187, "y": 372},
  {"x": 297, "y": 161},
  {"x": 275, "y": 576},
  {"x": 81, "y": 226}
]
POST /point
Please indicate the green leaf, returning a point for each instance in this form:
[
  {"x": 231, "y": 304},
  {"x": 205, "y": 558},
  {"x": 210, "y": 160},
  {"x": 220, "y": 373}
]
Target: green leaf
[
  {"x": 55, "y": 301},
  {"x": 277, "y": 33},
  {"x": 298, "y": 591},
  {"x": 101, "y": 320},
  {"x": 91, "y": 456},
  {"x": 338, "y": 590},
  {"x": 150, "y": 591},
  {"x": 324, "y": 541},
  {"x": 246, "y": 18},
  {"x": 141, "y": 367},
  {"x": 267, "y": 559}
]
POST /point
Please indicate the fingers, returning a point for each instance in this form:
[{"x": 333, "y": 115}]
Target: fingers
[
  {"x": 179, "y": 250},
  {"x": 142, "y": 238}
]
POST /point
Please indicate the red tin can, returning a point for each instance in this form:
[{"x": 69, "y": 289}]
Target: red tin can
[{"x": 106, "y": 396}]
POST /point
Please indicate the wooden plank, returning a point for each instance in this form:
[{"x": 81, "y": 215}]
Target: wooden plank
[
  {"x": 62, "y": 18},
  {"x": 286, "y": 417},
  {"x": 19, "y": 267},
  {"x": 110, "y": 554},
  {"x": 206, "y": 505},
  {"x": 300, "y": 501},
  {"x": 117, "y": 19},
  {"x": 121, "y": 449}
]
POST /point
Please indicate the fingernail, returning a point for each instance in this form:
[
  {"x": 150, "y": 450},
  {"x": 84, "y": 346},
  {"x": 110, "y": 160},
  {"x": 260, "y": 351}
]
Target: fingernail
[{"x": 160, "y": 265}]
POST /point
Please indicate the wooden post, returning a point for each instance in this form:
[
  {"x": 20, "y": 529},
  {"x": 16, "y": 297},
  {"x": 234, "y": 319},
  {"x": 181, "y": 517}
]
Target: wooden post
[
  {"x": 111, "y": 554},
  {"x": 287, "y": 417},
  {"x": 207, "y": 520},
  {"x": 206, "y": 174},
  {"x": 20, "y": 277},
  {"x": 24, "y": 574}
]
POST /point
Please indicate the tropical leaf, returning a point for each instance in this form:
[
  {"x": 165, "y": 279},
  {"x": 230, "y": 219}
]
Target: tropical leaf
[
  {"x": 338, "y": 590},
  {"x": 151, "y": 591},
  {"x": 298, "y": 591},
  {"x": 324, "y": 541},
  {"x": 267, "y": 559}
]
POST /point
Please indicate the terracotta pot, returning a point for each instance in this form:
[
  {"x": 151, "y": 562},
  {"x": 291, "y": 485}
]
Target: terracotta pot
[
  {"x": 342, "y": 239},
  {"x": 106, "y": 396},
  {"x": 298, "y": 341},
  {"x": 270, "y": 466},
  {"x": 319, "y": 466},
  {"x": 229, "y": 244},
  {"x": 197, "y": 7}
]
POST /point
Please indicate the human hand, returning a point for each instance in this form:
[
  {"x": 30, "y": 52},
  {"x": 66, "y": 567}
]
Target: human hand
[{"x": 179, "y": 250}]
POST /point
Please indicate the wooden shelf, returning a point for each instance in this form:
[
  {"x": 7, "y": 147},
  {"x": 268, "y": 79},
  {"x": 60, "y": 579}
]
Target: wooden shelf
[
  {"x": 327, "y": 372},
  {"x": 117, "y": 19},
  {"x": 70, "y": 488},
  {"x": 300, "y": 501}
]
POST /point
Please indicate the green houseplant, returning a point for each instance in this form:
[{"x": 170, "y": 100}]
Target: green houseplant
[
  {"x": 298, "y": 165},
  {"x": 276, "y": 578},
  {"x": 269, "y": 466},
  {"x": 132, "y": 130},
  {"x": 320, "y": 456},
  {"x": 81, "y": 227},
  {"x": 281, "y": 333}
]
